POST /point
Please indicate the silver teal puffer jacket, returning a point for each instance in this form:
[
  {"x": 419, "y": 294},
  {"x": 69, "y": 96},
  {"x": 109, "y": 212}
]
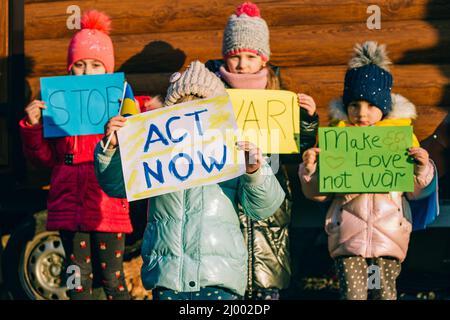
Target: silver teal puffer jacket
[{"x": 192, "y": 238}]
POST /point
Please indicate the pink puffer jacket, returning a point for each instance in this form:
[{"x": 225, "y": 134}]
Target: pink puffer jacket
[{"x": 368, "y": 225}]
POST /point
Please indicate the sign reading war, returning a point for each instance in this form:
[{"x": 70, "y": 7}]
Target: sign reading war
[
  {"x": 80, "y": 105},
  {"x": 268, "y": 118},
  {"x": 179, "y": 147},
  {"x": 365, "y": 159}
]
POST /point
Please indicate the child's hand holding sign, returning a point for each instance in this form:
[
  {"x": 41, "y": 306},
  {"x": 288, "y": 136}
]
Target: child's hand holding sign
[
  {"x": 420, "y": 156},
  {"x": 114, "y": 124},
  {"x": 310, "y": 160},
  {"x": 253, "y": 156},
  {"x": 307, "y": 102},
  {"x": 34, "y": 113}
]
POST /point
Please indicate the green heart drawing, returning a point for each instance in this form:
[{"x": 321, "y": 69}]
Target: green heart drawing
[{"x": 334, "y": 162}]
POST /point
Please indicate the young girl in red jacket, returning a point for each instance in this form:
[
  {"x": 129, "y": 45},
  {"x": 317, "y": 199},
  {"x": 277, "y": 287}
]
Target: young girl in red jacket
[{"x": 92, "y": 224}]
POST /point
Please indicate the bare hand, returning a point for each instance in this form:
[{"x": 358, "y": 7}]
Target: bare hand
[
  {"x": 420, "y": 156},
  {"x": 113, "y": 125},
  {"x": 310, "y": 158},
  {"x": 33, "y": 112},
  {"x": 307, "y": 102},
  {"x": 253, "y": 156}
]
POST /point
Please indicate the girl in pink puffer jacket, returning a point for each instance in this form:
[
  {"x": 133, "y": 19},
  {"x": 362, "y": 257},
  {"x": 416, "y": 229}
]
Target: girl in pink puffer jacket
[{"x": 371, "y": 228}]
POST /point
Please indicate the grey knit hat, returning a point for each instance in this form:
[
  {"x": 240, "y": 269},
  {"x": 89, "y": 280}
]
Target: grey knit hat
[
  {"x": 195, "y": 80},
  {"x": 246, "y": 31}
]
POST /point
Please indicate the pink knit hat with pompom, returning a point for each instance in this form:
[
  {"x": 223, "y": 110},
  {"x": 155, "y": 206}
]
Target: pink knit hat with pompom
[{"x": 92, "y": 41}]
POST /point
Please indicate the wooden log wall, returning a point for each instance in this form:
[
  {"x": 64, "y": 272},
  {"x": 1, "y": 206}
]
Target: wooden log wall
[
  {"x": 4, "y": 48},
  {"x": 311, "y": 40}
]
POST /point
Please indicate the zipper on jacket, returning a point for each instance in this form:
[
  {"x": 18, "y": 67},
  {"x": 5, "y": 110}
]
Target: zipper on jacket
[
  {"x": 250, "y": 268},
  {"x": 80, "y": 203},
  {"x": 182, "y": 241},
  {"x": 370, "y": 227}
]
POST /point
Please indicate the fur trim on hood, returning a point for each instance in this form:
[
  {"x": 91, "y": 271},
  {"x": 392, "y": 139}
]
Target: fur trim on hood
[{"x": 402, "y": 108}]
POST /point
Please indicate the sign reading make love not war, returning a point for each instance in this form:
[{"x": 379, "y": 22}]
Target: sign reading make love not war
[
  {"x": 365, "y": 159},
  {"x": 268, "y": 118},
  {"x": 80, "y": 105},
  {"x": 179, "y": 147}
]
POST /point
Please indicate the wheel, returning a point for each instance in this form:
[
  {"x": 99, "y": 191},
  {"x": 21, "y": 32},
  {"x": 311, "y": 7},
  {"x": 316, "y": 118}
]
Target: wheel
[{"x": 35, "y": 262}]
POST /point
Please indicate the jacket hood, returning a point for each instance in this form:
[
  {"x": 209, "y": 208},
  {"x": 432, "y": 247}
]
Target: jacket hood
[{"x": 402, "y": 108}]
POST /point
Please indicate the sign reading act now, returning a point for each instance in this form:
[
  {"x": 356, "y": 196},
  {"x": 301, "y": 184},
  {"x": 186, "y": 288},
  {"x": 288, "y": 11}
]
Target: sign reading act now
[
  {"x": 179, "y": 147},
  {"x": 365, "y": 159}
]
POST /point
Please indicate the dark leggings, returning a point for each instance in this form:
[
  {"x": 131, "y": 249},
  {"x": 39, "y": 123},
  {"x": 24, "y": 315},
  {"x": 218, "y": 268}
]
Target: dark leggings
[
  {"x": 205, "y": 293},
  {"x": 84, "y": 248},
  {"x": 266, "y": 294}
]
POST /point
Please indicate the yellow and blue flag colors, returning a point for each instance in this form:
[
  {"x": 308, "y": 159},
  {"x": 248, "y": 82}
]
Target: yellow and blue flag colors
[{"x": 129, "y": 106}]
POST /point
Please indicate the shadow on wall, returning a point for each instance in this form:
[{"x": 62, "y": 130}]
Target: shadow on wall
[
  {"x": 29, "y": 67},
  {"x": 424, "y": 269},
  {"x": 438, "y": 144},
  {"x": 148, "y": 71},
  {"x": 18, "y": 67}
]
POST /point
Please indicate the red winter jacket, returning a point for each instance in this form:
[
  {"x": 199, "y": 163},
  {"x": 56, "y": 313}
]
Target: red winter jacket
[{"x": 75, "y": 202}]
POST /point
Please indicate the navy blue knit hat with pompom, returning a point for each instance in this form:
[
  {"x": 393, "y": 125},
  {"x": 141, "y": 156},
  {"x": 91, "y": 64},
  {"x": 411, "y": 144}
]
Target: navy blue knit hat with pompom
[{"x": 368, "y": 77}]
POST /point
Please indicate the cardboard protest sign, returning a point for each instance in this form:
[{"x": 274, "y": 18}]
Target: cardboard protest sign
[
  {"x": 365, "y": 159},
  {"x": 268, "y": 118},
  {"x": 80, "y": 105},
  {"x": 179, "y": 147}
]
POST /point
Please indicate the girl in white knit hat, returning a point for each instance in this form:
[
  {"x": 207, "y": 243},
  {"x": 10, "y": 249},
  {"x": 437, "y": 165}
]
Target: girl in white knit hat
[
  {"x": 193, "y": 248},
  {"x": 245, "y": 65}
]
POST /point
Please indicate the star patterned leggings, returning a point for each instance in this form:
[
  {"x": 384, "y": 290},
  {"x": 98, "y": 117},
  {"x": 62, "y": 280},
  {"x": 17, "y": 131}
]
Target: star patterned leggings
[
  {"x": 205, "y": 293},
  {"x": 367, "y": 278},
  {"x": 85, "y": 248}
]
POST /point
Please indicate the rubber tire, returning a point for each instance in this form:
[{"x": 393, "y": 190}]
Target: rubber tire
[{"x": 22, "y": 239}]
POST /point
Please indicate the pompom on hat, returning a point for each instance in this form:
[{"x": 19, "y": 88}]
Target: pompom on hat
[
  {"x": 92, "y": 41},
  {"x": 195, "y": 80},
  {"x": 246, "y": 31},
  {"x": 368, "y": 77}
]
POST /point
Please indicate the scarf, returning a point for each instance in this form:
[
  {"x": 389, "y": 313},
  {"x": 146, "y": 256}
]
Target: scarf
[{"x": 256, "y": 80}]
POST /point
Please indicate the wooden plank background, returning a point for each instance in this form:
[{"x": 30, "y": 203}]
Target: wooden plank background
[
  {"x": 3, "y": 50},
  {"x": 4, "y": 47},
  {"x": 311, "y": 40}
]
